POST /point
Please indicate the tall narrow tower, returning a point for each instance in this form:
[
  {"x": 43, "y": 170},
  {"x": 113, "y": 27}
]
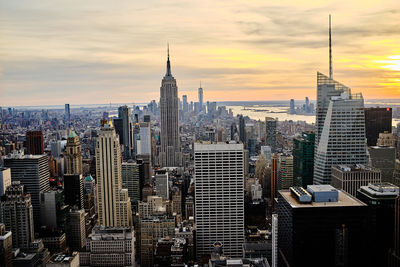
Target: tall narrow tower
[
  {"x": 170, "y": 155},
  {"x": 200, "y": 97},
  {"x": 73, "y": 155},
  {"x": 113, "y": 202}
]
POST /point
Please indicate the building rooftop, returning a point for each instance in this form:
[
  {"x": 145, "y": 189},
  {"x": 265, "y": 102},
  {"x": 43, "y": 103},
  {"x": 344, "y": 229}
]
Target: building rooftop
[
  {"x": 111, "y": 233},
  {"x": 206, "y": 146},
  {"x": 344, "y": 200},
  {"x": 381, "y": 190},
  {"x": 354, "y": 167}
]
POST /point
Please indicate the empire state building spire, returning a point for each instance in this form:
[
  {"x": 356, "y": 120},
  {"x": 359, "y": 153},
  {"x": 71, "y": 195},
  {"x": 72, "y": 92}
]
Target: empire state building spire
[{"x": 168, "y": 65}]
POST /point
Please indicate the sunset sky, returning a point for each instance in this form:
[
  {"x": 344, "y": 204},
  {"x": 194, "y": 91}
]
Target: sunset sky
[{"x": 102, "y": 51}]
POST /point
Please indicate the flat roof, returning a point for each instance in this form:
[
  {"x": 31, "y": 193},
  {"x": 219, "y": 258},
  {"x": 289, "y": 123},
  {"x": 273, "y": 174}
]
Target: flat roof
[
  {"x": 217, "y": 146},
  {"x": 345, "y": 200}
]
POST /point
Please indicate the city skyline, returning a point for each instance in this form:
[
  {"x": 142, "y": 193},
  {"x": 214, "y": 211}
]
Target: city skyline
[{"x": 106, "y": 53}]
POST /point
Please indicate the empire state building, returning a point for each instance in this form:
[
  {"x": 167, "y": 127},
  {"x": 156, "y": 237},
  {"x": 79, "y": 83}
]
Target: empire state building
[{"x": 170, "y": 154}]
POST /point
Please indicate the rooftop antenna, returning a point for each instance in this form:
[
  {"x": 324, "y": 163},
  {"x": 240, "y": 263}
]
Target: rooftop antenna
[{"x": 330, "y": 48}]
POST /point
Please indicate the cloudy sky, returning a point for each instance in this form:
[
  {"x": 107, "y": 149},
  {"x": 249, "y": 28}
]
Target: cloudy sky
[{"x": 102, "y": 51}]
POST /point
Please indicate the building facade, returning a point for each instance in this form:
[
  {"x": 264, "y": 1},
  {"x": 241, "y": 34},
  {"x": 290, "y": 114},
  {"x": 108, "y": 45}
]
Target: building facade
[
  {"x": 377, "y": 120},
  {"x": 303, "y": 159},
  {"x": 219, "y": 197},
  {"x": 73, "y": 155}
]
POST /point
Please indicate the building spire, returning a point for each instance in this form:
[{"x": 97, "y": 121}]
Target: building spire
[
  {"x": 330, "y": 48},
  {"x": 168, "y": 63}
]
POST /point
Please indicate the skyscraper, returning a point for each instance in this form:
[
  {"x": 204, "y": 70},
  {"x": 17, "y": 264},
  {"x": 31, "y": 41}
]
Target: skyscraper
[
  {"x": 73, "y": 155},
  {"x": 326, "y": 228},
  {"x": 67, "y": 112},
  {"x": 73, "y": 188},
  {"x": 270, "y": 128},
  {"x": 131, "y": 181},
  {"x": 145, "y": 139},
  {"x": 185, "y": 104},
  {"x": 377, "y": 120},
  {"x": 126, "y": 136},
  {"x": 34, "y": 142},
  {"x": 33, "y": 173},
  {"x": 17, "y": 214},
  {"x": 114, "y": 206},
  {"x": 5, "y": 179},
  {"x": 242, "y": 130},
  {"x": 292, "y": 107},
  {"x": 200, "y": 91},
  {"x": 162, "y": 187},
  {"x": 285, "y": 178},
  {"x": 343, "y": 137},
  {"x": 219, "y": 197},
  {"x": 303, "y": 159},
  {"x": 5, "y": 247},
  {"x": 170, "y": 155}
]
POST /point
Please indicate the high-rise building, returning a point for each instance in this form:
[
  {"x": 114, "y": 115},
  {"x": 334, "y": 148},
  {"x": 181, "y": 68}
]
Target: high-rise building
[
  {"x": 145, "y": 139},
  {"x": 285, "y": 177},
  {"x": 274, "y": 240},
  {"x": 292, "y": 107},
  {"x": 54, "y": 212},
  {"x": 5, "y": 247},
  {"x": 55, "y": 148},
  {"x": 200, "y": 91},
  {"x": 377, "y": 120},
  {"x": 170, "y": 154},
  {"x": 274, "y": 179},
  {"x": 219, "y": 197},
  {"x": 386, "y": 139},
  {"x": 109, "y": 247},
  {"x": 383, "y": 158},
  {"x": 33, "y": 173},
  {"x": 303, "y": 159},
  {"x": 67, "y": 112},
  {"x": 270, "y": 128},
  {"x": 5, "y": 179},
  {"x": 34, "y": 142},
  {"x": 350, "y": 178},
  {"x": 73, "y": 155},
  {"x": 131, "y": 181},
  {"x": 394, "y": 253},
  {"x": 76, "y": 234},
  {"x": 242, "y": 130},
  {"x": 114, "y": 206},
  {"x": 185, "y": 104},
  {"x": 73, "y": 188},
  {"x": 323, "y": 224},
  {"x": 126, "y": 136},
  {"x": 381, "y": 199},
  {"x": 16, "y": 213},
  {"x": 342, "y": 140},
  {"x": 162, "y": 187}
]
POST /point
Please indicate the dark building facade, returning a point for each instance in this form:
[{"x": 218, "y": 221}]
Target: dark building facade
[
  {"x": 321, "y": 233},
  {"x": 377, "y": 120},
  {"x": 303, "y": 159},
  {"x": 381, "y": 200},
  {"x": 34, "y": 142},
  {"x": 73, "y": 188}
]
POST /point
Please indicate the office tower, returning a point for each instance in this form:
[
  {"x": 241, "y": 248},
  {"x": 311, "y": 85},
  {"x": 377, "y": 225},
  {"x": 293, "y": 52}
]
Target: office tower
[
  {"x": 5, "y": 246},
  {"x": 131, "y": 181},
  {"x": 34, "y": 142},
  {"x": 396, "y": 173},
  {"x": 109, "y": 247},
  {"x": 33, "y": 173},
  {"x": 126, "y": 136},
  {"x": 176, "y": 200},
  {"x": 114, "y": 206},
  {"x": 197, "y": 107},
  {"x": 292, "y": 107},
  {"x": 381, "y": 199},
  {"x": 53, "y": 210},
  {"x": 233, "y": 131},
  {"x": 145, "y": 139},
  {"x": 270, "y": 128},
  {"x": 5, "y": 179},
  {"x": 350, "y": 178},
  {"x": 17, "y": 214},
  {"x": 73, "y": 155},
  {"x": 242, "y": 130},
  {"x": 325, "y": 225},
  {"x": 343, "y": 136},
  {"x": 67, "y": 112},
  {"x": 274, "y": 179},
  {"x": 303, "y": 159},
  {"x": 200, "y": 91},
  {"x": 219, "y": 197},
  {"x": 377, "y": 120},
  {"x": 73, "y": 188},
  {"x": 274, "y": 240},
  {"x": 285, "y": 176},
  {"x": 383, "y": 158},
  {"x": 170, "y": 154},
  {"x": 185, "y": 104},
  {"x": 55, "y": 148},
  {"x": 394, "y": 253},
  {"x": 162, "y": 188},
  {"x": 76, "y": 229}
]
